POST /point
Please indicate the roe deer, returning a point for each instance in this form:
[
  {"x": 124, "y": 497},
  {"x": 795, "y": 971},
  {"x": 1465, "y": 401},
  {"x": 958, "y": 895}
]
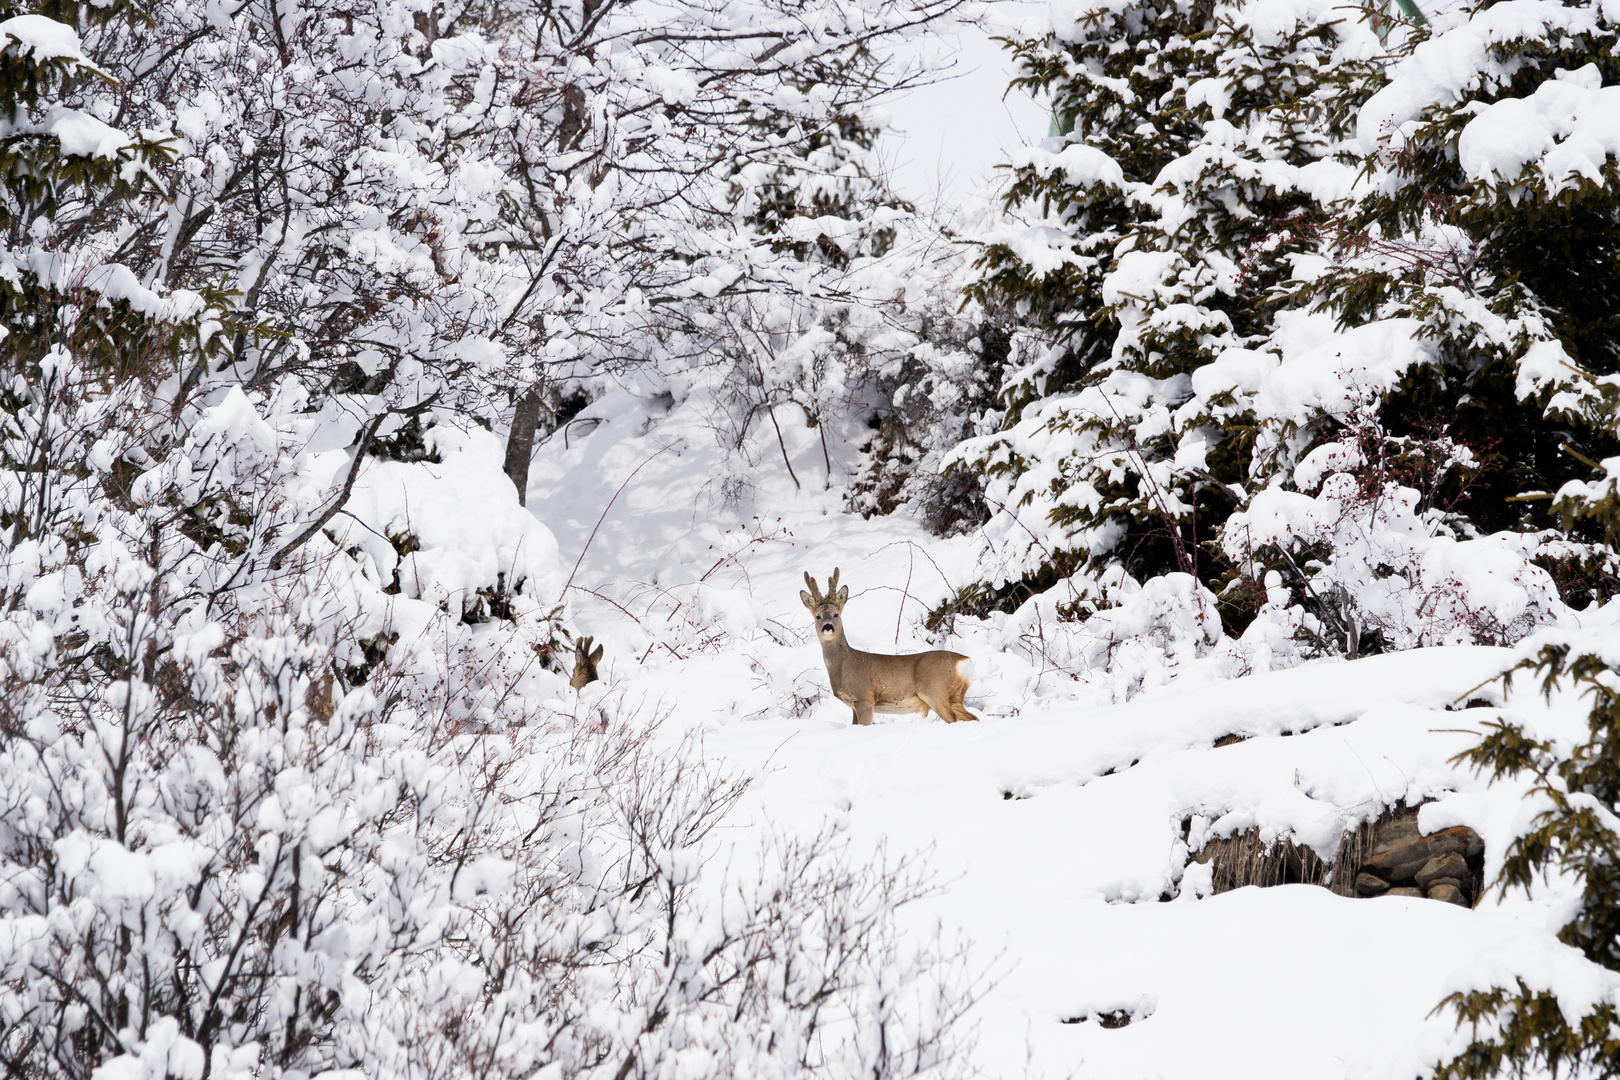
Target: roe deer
[
  {"x": 585, "y": 663},
  {"x": 872, "y": 682}
]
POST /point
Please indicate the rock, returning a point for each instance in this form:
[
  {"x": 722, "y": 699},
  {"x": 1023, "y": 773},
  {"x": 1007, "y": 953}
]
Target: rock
[
  {"x": 1399, "y": 852},
  {"x": 1461, "y": 886},
  {"x": 1449, "y": 893},
  {"x": 1404, "y": 890},
  {"x": 1370, "y": 885},
  {"x": 1393, "y": 834},
  {"x": 1469, "y": 842},
  {"x": 1449, "y": 864}
]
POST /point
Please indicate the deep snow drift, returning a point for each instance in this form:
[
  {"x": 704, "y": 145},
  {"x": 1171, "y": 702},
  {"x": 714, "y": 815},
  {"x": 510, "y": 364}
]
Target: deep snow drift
[{"x": 1059, "y": 826}]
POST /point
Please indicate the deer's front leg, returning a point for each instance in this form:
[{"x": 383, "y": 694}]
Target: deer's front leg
[{"x": 863, "y": 713}]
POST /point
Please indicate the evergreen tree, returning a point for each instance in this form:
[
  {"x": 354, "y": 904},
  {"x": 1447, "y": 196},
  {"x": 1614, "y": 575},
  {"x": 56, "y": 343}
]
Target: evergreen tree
[
  {"x": 1149, "y": 248},
  {"x": 81, "y": 338},
  {"x": 1297, "y": 275},
  {"x": 1505, "y": 255},
  {"x": 1523, "y": 1026},
  {"x": 1469, "y": 275},
  {"x": 72, "y": 185}
]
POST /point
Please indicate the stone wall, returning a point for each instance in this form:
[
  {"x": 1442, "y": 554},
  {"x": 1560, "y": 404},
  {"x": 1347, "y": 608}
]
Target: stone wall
[{"x": 1386, "y": 857}]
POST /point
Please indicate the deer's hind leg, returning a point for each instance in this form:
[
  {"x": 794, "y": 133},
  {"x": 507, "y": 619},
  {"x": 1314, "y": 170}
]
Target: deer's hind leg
[
  {"x": 958, "y": 708},
  {"x": 938, "y": 705}
]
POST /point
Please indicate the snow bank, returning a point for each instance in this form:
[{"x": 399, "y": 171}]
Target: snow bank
[{"x": 446, "y": 530}]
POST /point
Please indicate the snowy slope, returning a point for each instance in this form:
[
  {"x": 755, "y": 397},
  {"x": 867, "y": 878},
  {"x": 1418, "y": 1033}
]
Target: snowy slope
[{"x": 1055, "y": 828}]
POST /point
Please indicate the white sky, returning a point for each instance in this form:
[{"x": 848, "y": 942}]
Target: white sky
[{"x": 948, "y": 137}]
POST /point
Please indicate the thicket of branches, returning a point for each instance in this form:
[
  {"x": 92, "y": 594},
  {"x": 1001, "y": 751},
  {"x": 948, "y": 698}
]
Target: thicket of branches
[{"x": 264, "y": 811}]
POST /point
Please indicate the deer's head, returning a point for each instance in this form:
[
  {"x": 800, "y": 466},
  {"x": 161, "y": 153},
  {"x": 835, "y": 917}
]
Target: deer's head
[
  {"x": 585, "y": 663},
  {"x": 828, "y": 609}
]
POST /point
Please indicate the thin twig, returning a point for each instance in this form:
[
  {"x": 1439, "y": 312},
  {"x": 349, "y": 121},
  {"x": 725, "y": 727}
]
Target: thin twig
[
  {"x": 1185, "y": 562},
  {"x": 916, "y": 547},
  {"x": 783, "y": 444},
  {"x": 366, "y": 434},
  {"x": 569, "y": 583},
  {"x": 821, "y": 426},
  {"x": 609, "y": 600},
  {"x": 905, "y": 594},
  {"x": 1578, "y": 456}
]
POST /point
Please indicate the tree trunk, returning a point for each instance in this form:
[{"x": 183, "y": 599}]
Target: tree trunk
[{"x": 520, "y": 443}]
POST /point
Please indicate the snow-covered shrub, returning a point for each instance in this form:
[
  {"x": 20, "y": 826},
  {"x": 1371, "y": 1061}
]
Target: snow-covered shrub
[
  {"x": 1372, "y": 572},
  {"x": 408, "y": 521},
  {"x": 1371, "y": 554},
  {"x": 225, "y": 861},
  {"x": 276, "y": 796},
  {"x": 238, "y": 834},
  {"x": 184, "y": 840},
  {"x": 1120, "y": 635},
  {"x": 192, "y": 777},
  {"x": 926, "y": 398}
]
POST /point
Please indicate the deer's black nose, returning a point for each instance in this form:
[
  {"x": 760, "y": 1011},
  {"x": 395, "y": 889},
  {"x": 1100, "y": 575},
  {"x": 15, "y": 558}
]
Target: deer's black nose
[{"x": 827, "y": 629}]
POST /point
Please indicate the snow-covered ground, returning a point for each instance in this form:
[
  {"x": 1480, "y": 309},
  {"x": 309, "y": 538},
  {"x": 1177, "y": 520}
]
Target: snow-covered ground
[{"x": 1054, "y": 827}]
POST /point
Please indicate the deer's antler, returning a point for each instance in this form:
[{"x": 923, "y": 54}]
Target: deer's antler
[{"x": 815, "y": 593}]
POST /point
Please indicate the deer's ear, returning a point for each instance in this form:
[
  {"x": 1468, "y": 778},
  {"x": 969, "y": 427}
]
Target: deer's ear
[
  {"x": 809, "y": 603},
  {"x": 843, "y": 596},
  {"x": 596, "y": 657}
]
